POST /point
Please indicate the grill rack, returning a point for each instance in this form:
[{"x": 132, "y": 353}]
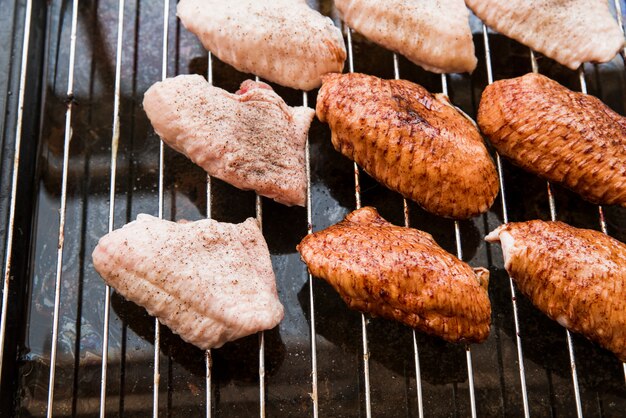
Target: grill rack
[{"x": 161, "y": 186}]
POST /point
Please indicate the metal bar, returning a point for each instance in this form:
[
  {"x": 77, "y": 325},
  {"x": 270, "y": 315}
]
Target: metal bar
[
  {"x": 309, "y": 230},
  {"x": 62, "y": 215},
  {"x": 407, "y": 223},
  {"x": 570, "y": 345},
  {"x": 357, "y": 195},
  {"x": 114, "y": 148},
  {"x": 208, "y": 359},
  {"x": 157, "y": 327},
  {"x": 14, "y": 177},
  {"x": 459, "y": 254},
  {"x": 505, "y": 219},
  {"x": 259, "y": 218}
]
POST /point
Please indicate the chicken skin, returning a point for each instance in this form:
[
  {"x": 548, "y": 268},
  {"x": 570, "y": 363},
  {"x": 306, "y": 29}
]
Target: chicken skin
[
  {"x": 563, "y": 136},
  {"x": 402, "y": 274},
  {"x": 434, "y": 34},
  {"x": 209, "y": 282},
  {"x": 413, "y": 142},
  {"x": 250, "y": 139},
  {"x": 568, "y": 31},
  {"x": 575, "y": 276},
  {"x": 283, "y": 41}
]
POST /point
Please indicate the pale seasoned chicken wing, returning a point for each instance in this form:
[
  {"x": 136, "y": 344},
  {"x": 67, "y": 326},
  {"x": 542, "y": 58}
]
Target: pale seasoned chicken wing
[
  {"x": 401, "y": 274},
  {"x": 413, "y": 142},
  {"x": 284, "y": 41},
  {"x": 209, "y": 282},
  {"x": 568, "y": 31},
  {"x": 434, "y": 34},
  {"x": 250, "y": 139},
  {"x": 575, "y": 276},
  {"x": 566, "y": 137}
]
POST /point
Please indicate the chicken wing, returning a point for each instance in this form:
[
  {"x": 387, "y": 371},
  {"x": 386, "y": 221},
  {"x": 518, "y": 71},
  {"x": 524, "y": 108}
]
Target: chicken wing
[
  {"x": 284, "y": 41},
  {"x": 566, "y": 137},
  {"x": 209, "y": 282},
  {"x": 251, "y": 139},
  {"x": 434, "y": 34},
  {"x": 568, "y": 31},
  {"x": 401, "y": 274},
  {"x": 413, "y": 142},
  {"x": 575, "y": 276}
]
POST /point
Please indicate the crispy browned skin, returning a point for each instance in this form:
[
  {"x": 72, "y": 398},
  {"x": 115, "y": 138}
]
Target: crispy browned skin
[
  {"x": 402, "y": 274},
  {"x": 563, "y": 136},
  {"x": 575, "y": 276},
  {"x": 414, "y": 143}
]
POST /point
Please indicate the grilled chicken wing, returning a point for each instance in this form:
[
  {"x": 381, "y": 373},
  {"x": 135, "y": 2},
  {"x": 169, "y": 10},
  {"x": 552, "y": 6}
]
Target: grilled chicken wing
[
  {"x": 402, "y": 274},
  {"x": 411, "y": 141},
  {"x": 575, "y": 276},
  {"x": 251, "y": 139},
  {"x": 434, "y": 34},
  {"x": 568, "y": 31},
  {"x": 209, "y": 282},
  {"x": 283, "y": 41},
  {"x": 566, "y": 137}
]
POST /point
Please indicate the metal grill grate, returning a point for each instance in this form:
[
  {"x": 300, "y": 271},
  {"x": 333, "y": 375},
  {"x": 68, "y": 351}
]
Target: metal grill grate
[{"x": 321, "y": 381}]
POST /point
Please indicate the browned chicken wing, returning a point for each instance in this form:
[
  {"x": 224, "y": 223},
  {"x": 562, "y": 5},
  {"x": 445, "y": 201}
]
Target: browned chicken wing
[
  {"x": 402, "y": 274},
  {"x": 575, "y": 276},
  {"x": 566, "y": 137},
  {"x": 411, "y": 141}
]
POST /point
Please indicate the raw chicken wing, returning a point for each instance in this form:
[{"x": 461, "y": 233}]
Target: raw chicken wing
[
  {"x": 401, "y": 274},
  {"x": 568, "y": 31},
  {"x": 434, "y": 34},
  {"x": 251, "y": 139},
  {"x": 209, "y": 282},
  {"x": 284, "y": 41}
]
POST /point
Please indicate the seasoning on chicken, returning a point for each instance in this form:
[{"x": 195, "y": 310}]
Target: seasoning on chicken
[
  {"x": 575, "y": 276},
  {"x": 251, "y": 139},
  {"x": 283, "y": 41},
  {"x": 209, "y": 282},
  {"x": 568, "y": 31},
  {"x": 402, "y": 274},
  {"x": 413, "y": 142},
  {"x": 566, "y": 137},
  {"x": 434, "y": 34}
]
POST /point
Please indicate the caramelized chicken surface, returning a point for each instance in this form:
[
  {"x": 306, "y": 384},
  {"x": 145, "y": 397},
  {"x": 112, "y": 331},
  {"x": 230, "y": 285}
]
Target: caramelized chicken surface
[
  {"x": 563, "y": 136},
  {"x": 209, "y": 282},
  {"x": 568, "y": 31},
  {"x": 250, "y": 139},
  {"x": 434, "y": 34},
  {"x": 575, "y": 276},
  {"x": 284, "y": 41},
  {"x": 413, "y": 142},
  {"x": 401, "y": 274}
]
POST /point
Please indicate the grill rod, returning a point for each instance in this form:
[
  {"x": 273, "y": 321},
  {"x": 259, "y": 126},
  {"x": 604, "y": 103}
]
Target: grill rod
[
  {"x": 114, "y": 148},
  {"x": 208, "y": 359},
  {"x": 407, "y": 224},
  {"x": 62, "y": 210},
  {"x": 505, "y": 219},
  {"x": 14, "y": 176},
  {"x": 357, "y": 195},
  {"x": 157, "y": 326},
  {"x": 309, "y": 230},
  {"x": 570, "y": 344},
  {"x": 259, "y": 218}
]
